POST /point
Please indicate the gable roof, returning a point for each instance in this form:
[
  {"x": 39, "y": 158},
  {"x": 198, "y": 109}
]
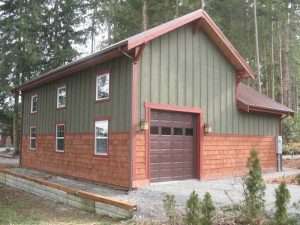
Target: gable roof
[
  {"x": 204, "y": 22},
  {"x": 200, "y": 19},
  {"x": 250, "y": 100}
]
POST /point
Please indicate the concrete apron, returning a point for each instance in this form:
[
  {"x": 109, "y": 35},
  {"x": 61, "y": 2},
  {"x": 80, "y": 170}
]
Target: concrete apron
[{"x": 79, "y": 199}]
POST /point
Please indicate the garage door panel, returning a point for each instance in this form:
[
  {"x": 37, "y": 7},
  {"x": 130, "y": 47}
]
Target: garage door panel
[
  {"x": 161, "y": 144},
  {"x": 172, "y": 153},
  {"x": 162, "y": 158},
  {"x": 188, "y": 145},
  {"x": 182, "y": 158}
]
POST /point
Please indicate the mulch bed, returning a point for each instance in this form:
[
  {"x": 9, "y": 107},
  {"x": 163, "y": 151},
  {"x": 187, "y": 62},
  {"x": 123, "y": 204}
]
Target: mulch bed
[
  {"x": 287, "y": 180},
  {"x": 292, "y": 163}
]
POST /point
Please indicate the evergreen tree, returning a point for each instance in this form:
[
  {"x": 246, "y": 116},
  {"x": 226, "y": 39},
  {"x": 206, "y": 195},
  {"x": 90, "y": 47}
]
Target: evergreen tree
[
  {"x": 60, "y": 31},
  {"x": 20, "y": 56},
  {"x": 254, "y": 191},
  {"x": 35, "y": 36},
  {"x": 282, "y": 200}
]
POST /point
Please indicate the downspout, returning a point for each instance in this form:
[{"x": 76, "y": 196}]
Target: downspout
[
  {"x": 279, "y": 155},
  {"x": 21, "y": 130}
]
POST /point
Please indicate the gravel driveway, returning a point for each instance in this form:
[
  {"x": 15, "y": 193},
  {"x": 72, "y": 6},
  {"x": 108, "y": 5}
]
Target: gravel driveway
[{"x": 224, "y": 192}]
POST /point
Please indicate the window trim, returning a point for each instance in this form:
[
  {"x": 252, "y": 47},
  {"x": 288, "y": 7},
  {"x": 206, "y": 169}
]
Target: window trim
[
  {"x": 57, "y": 97},
  {"x": 158, "y": 130},
  {"x": 30, "y": 138},
  {"x": 161, "y": 131},
  {"x": 31, "y": 103},
  {"x": 105, "y": 73},
  {"x": 56, "y": 126},
  {"x": 108, "y": 137}
]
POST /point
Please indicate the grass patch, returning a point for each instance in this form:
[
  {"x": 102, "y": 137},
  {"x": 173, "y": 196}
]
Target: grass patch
[{"x": 20, "y": 208}]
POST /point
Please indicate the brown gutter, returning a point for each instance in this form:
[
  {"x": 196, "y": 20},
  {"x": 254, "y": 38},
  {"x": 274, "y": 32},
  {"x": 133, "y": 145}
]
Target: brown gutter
[{"x": 251, "y": 108}]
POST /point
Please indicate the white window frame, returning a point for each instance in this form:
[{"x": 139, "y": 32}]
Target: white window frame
[
  {"x": 58, "y": 106},
  {"x": 95, "y": 147},
  {"x": 61, "y": 138},
  {"x": 99, "y": 77},
  {"x": 32, "y": 138},
  {"x": 31, "y": 105}
]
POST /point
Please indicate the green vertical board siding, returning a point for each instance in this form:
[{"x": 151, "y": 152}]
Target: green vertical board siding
[
  {"x": 185, "y": 68},
  {"x": 82, "y": 108}
]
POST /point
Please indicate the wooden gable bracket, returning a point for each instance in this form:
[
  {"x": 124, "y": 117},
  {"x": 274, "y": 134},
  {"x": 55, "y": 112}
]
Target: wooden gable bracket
[
  {"x": 138, "y": 52},
  {"x": 240, "y": 75},
  {"x": 196, "y": 26}
]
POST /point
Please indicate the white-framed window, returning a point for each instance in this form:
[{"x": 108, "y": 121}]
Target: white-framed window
[
  {"x": 61, "y": 97},
  {"x": 32, "y": 138},
  {"x": 101, "y": 137},
  {"x": 60, "y": 137},
  {"x": 102, "y": 86},
  {"x": 34, "y": 104}
]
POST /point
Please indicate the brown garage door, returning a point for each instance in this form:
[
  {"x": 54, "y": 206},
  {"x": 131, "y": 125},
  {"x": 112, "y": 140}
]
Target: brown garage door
[{"x": 172, "y": 154}]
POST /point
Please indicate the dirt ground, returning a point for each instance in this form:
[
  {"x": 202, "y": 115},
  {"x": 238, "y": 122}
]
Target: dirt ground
[
  {"x": 20, "y": 208},
  {"x": 292, "y": 163}
]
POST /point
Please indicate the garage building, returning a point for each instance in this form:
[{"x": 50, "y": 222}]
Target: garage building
[{"x": 167, "y": 104}]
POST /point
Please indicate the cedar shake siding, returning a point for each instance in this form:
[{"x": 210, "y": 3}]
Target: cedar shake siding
[
  {"x": 223, "y": 156},
  {"x": 185, "y": 68},
  {"x": 227, "y": 156},
  {"x": 78, "y": 159}
]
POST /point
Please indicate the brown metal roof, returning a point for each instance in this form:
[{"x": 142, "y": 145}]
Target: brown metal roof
[
  {"x": 199, "y": 18},
  {"x": 250, "y": 100}
]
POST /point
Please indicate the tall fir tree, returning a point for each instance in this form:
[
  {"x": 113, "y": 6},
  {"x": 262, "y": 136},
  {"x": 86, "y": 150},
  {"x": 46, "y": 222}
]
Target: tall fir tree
[{"x": 35, "y": 36}]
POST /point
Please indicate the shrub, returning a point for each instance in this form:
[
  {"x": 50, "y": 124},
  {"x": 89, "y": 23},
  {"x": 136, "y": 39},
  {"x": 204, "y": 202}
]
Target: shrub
[
  {"x": 199, "y": 212},
  {"x": 282, "y": 200},
  {"x": 291, "y": 128},
  {"x": 208, "y": 209},
  {"x": 193, "y": 210},
  {"x": 254, "y": 191},
  {"x": 169, "y": 204}
]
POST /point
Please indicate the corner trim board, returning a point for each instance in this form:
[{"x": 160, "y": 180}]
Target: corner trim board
[{"x": 134, "y": 98}]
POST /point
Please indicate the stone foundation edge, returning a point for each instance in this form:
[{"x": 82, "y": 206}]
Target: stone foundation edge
[{"x": 75, "y": 198}]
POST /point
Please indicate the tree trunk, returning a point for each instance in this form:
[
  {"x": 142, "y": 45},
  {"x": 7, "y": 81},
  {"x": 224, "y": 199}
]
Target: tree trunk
[
  {"x": 257, "y": 49},
  {"x": 177, "y": 9},
  {"x": 145, "y": 15},
  {"x": 285, "y": 64},
  {"x": 297, "y": 96},
  {"x": 93, "y": 33},
  {"x": 203, "y": 4},
  {"x": 280, "y": 68},
  {"x": 272, "y": 62}
]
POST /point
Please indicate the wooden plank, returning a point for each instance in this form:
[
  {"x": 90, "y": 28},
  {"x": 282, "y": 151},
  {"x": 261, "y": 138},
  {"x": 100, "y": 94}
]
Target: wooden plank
[
  {"x": 76, "y": 192},
  {"x": 155, "y": 70},
  {"x": 164, "y": 70},
  {"x": 189, "y": 87},
  {"x": 181, "y": 67},
  {"x": 173, "y": 72}
]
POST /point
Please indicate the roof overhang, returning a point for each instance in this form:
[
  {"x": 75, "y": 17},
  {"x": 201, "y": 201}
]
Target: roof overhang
[
  {"x": 250, "y": 100},
  {"x": 104, "y": 55}
]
